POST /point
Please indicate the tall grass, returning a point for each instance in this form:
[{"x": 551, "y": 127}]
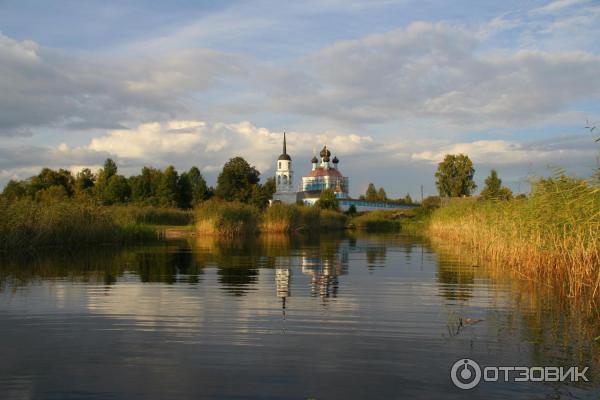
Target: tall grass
[
  {"x": 282, "y": 218},
  {"x": 553, "y": 236},
  {"x": 332, "y": 220},
  {"x": 226, "y": 218},
  {"x": 27, "y": 224},
  {"x": 285, "y": 218},
  {"x": 153, "y": 215}
]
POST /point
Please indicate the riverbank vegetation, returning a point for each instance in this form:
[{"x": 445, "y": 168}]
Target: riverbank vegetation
[
  {"x": 27, "y": 224},
  {"x": 551, "y": 235}
]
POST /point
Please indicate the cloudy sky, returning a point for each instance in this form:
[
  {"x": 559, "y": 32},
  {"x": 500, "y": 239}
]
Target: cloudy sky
[{"x": 390, "y": 86}]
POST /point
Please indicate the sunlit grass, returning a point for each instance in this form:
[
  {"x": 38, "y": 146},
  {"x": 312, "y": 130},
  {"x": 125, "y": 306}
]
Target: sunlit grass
[{"x": 552, "y": 236}]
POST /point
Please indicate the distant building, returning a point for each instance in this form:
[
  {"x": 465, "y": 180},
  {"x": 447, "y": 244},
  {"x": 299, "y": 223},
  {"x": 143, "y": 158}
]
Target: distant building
[{"x": 324, "y": 174}]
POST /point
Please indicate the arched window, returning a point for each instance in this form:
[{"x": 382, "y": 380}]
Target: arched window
[
  {"x": 279, "y": 165},
  {"x": 285, "y": 179},
  {"x": 279, "y": 179}
]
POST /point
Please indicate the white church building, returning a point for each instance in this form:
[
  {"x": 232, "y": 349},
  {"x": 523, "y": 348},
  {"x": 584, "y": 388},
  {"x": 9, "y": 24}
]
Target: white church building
[{"x": 324, "y": 174}]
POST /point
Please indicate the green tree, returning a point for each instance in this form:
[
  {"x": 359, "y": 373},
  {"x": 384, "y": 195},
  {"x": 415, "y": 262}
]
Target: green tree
[
  {"x": 408, "y": 199},
  {"x": 371, "y": 193},
  {"x": 84, "y": 182},
  {"x": 110, "y": 168},
  {"x": 116, "y": 191},
  {"x": 167, "y": 188},
  {"x": 381, "y": 194},
  {"x": 493, "y": 188},
  {"x": 493, "y": 184},
  {"x": 144, "y": 186},
  {"x": 49, "y": 177},
  {"x": 327, "y": 200},
  {"x": 199, "y": 188},
  {"x": 454, "y": 176},
  {"x": 236, "y": 180},
  {"x": 14, "y": 190},
  {"x": 184, "y": 191},
  {"x": 106, "y": 172}
]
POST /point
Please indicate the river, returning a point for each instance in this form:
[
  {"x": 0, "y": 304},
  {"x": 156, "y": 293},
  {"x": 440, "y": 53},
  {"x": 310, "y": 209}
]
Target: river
[{"x": 326, "y": 317}]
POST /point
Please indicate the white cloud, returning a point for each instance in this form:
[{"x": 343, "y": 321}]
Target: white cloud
[
  {"x": 43, "y": 87},
  {"x": 499, "y": 152},
  {"x": 209, "y": 145},
  {"x": 556, "y": 6},
  {"x": 433, "y": 70}
]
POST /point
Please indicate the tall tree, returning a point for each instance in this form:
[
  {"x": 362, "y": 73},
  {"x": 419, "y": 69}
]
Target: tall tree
[
  {"x": 454, "y": 176},
  {"x": 184, "y": 191},
  {"x": 493, "y": 188},
  {"x": 84, "y": 182},
  {"x": 236, "y": 180},
  {"x": 117, "y": 190},
  {"x": 167, "y": 188},
  {"x": 381, "y": 194},
  {"x": 371, "y": 193},
  {"x": 199, "y": 187}
]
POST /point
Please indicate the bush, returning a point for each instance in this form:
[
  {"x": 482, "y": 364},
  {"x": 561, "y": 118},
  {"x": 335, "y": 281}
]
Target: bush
[{"x": 226, "y": 218}]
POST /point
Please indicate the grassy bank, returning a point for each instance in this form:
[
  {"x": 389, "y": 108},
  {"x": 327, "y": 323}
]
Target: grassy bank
[
  {"x": 232, "y": 219},
  {"x": 27, "y": 224},
  {"x": 149, "y": 215},
  {"x": 408, "y": 221},
  {"x": 552, "y": 236},
  {"x": 225, "y": 218}
]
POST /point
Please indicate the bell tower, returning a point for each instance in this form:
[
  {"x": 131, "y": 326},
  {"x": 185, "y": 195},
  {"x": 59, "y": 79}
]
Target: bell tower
[{"x": 284, "y": 174}]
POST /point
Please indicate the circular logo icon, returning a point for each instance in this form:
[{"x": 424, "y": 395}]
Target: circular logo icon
[{"x": 465, "y": 373}]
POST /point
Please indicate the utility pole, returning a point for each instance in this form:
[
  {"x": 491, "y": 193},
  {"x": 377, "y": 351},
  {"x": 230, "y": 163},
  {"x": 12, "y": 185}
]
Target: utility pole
[{"x": 421, "y": 194}]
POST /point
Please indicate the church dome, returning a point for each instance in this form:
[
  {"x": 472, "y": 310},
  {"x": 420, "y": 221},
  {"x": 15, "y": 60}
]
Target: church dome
[
  {"x": 284, "y": 157},
  {"x": 314, "y": 160},
  {"x": 335, "y": 160},
  {"x": 325, "y": 154}
]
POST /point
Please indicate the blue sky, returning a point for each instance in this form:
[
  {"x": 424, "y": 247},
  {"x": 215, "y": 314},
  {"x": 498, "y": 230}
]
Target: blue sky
[{"x": 390, "y": 86}]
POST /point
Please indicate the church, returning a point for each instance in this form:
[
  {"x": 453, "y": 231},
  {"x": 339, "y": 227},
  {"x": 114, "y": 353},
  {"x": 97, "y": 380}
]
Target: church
[{"x": 324, "y": 174}]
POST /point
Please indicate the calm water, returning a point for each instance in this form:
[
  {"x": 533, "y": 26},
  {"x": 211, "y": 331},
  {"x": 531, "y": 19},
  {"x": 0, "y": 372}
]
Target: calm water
[{"x": 366, "y": 317}]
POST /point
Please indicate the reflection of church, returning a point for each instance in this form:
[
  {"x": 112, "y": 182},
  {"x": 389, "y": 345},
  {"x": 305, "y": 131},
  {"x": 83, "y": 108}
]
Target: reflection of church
[
  {"x": 324, "y": 275},
  {"x": 323, "y": 270}
]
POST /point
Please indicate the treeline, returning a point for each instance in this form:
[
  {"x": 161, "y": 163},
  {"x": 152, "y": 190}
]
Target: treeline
[
  {"x": 374, "y": 194},
  {"x": 238, "y": 181}
]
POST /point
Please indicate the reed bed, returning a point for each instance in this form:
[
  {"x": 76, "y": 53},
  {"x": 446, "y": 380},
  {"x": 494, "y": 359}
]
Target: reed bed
[
  {"x": 226, "y": 218},
  {"x": 377, "y": 221},
  {"x": 552, "y": 236},
  {"x": 26, "y": 224},
  {"x": 151, "y": 215},
  {"x": 286, "y": 218}
]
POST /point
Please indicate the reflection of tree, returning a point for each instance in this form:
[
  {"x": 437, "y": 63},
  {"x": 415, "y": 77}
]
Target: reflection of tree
[
  {"x": 456, "y": 280},
  {"x": 236, "y": 280},
  {"x": 168, "y": 266},
  {"x": 375, "y": 257}
]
